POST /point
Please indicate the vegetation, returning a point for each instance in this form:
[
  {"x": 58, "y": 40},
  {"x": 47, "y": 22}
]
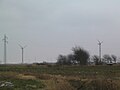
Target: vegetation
[
  {"x": 82, "y": 57},
  {"x": 96, "y": 60},
  {"x": 55, "y": 77},
  {"x": 109, "y": 59},
  {"x": 71, "y": 72},
  {"x": 79, "y": 56}
]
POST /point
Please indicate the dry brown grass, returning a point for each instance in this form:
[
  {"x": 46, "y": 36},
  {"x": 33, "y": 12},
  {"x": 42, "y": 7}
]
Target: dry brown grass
[
  {"x": 83, "y": 78},
  {"x": 22, "y": 76},
  {"x": 57, "y": 84}
]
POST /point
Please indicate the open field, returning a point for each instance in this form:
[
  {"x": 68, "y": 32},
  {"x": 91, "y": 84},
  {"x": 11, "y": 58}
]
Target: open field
[{"x": 48, "y": 77}]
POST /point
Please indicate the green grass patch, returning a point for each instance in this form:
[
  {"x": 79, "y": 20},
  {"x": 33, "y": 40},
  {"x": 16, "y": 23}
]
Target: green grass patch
[{"x": 20, "y": 84}]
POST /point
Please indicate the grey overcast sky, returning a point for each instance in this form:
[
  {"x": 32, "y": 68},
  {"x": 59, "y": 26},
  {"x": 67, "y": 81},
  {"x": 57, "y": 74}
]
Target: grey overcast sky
[{"x": 53, "y": 27}]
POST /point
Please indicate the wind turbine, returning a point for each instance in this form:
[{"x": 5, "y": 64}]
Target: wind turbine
[
  {"x": 22, "y": 48},
  {"x": 5, "y": 48},
  {"x": 100, "y": 43}
]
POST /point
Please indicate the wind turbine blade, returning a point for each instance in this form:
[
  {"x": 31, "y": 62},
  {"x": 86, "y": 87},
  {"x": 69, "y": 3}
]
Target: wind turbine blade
[
  {"x": 20, "y": 45},
  {"x": 25, "y": 46},
  {"x": 98, "y": 41}
]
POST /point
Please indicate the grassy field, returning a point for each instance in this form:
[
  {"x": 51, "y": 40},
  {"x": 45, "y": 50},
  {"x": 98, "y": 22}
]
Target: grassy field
[{"x": 48, "y": 77}]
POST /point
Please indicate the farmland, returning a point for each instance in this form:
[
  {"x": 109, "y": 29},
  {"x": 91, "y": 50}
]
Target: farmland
[{"x": 48, "y": 77}]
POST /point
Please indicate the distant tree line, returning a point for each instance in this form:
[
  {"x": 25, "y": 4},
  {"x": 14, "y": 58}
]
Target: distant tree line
[
  {"x": 107, "y": 59},
  {"x": 80, "y": 56}
]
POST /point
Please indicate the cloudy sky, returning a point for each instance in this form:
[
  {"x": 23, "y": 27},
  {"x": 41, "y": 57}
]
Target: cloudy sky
[{"x": 53, "y": 27}]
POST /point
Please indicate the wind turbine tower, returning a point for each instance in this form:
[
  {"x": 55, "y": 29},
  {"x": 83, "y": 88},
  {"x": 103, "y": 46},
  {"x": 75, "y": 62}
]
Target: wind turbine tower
[
  {"x": 100, "y": 43},
  {"x": 5, "y": 48},
  {"x": 22, "y": 48}
]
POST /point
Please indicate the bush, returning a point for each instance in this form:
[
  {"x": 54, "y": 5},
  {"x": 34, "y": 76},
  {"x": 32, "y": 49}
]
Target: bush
[{"x": 96, "y": 84}]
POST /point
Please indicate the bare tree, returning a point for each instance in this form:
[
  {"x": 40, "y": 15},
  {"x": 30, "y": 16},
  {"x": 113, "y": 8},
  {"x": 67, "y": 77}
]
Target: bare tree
[
  {"x": 114, "y": 58},
  {"x": 81, "y": 55},
  {"x": 64, "y": 60},
  {"x": 96, "y": 60},
  {"x": 110, "y": 58}
]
